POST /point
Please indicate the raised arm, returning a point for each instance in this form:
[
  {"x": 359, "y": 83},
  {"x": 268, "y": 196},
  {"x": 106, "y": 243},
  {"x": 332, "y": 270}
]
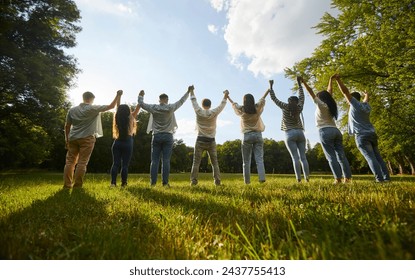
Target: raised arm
[
  {"x": 226, "y": 93},
  {"x": 366, "y": 97},
  {"x": 309, "y": 89},
  {"x": 135, "y": 112},
  {"x": 330, "y": 85},
  {"x": 114, "y": 102},
  {"x": 180, "y": 102},
  {"x": 344, "y": 90}
]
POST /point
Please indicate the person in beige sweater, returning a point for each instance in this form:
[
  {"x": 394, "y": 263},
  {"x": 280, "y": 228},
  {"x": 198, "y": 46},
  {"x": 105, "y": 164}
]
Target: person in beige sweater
[
  {"x": 252, "y": 128},
  {"x": 206, "y": 127}
]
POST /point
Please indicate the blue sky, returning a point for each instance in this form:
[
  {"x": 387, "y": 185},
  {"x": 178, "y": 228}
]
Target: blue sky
[{"x": 162, "y": 46}]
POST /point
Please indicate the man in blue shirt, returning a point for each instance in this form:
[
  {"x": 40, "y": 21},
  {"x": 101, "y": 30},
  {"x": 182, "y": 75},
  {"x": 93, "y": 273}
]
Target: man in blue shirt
[{"x": 365, "y": 135}]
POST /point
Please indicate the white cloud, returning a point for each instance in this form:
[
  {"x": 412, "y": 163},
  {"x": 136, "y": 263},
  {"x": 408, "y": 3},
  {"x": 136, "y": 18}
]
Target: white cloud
[
  {"x": 223, "y": 123},
  {"x": 213, "y": 29},
  {"x": 112, "y": 7},
  {"x": 269, "y": 35},
  {"x": 220, "y": 5}
]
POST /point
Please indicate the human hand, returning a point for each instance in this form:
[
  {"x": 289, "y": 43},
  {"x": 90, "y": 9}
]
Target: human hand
[
  {"x": 336, "y": 76},
  {"x": 226, "y": 93},
  {"x": 119, "y": 92},
  {"x": 271, "y": 83},
  {"x": 191, "y": 88},
  {"x": 141, "y": 93}
]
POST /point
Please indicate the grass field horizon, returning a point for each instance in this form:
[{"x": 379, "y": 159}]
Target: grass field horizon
[{"x": 280, "y": 219}]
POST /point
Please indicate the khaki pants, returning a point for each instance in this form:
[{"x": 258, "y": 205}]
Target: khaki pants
[{"x": 79, "y": 152}]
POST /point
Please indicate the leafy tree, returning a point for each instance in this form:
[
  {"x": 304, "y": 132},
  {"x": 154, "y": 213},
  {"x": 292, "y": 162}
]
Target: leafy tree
[
  {"x": 372, "y": 45},
  {"x": 35, "y": 73},
  {"x": 230, "y": 156}
]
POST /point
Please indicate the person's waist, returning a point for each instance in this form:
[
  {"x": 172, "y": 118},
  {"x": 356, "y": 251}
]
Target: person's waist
[{"x": 205, "y": 138}]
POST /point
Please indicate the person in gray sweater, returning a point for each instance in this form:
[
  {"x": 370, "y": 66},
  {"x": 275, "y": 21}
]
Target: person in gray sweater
[{"x": 163, "y": 124}]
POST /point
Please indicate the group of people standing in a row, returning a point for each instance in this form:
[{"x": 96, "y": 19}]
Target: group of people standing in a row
[{"x": 83, "y": 126}]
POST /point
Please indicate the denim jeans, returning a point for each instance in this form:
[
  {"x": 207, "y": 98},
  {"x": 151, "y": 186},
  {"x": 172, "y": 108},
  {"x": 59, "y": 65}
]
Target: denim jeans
[
  {"x": 78, "y": 154},
  {"x": 368, "y": 145},
  {"x": 252, "y": 141},
  {"x": 295, "y": 142},
  {"x": 161, "y": 146},
  {"x": 122, "y": 151},
  {"x": 210, "y": 147},
  {"x": 332, "y": 143}
]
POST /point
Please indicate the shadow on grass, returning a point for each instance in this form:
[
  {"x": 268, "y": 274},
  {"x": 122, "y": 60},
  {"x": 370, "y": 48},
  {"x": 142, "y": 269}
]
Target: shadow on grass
[{"x": 75, "y": 225}]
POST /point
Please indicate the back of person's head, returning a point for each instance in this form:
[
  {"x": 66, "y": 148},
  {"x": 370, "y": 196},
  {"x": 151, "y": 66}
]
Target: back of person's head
[
  {"x": 327, "y": 98},
  {"x": 121, "y": 122},
  {"x": 87, "y": 95},
  {"x": 356, "y": 95},
  {"x": 163, "y": 96},
  {"x": 249, "y": 104},
  {"x": 293, "y": 107},
  {"x": 206, "y": 103}
]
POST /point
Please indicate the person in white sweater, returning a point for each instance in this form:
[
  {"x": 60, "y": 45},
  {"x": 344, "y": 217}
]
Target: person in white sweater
[{"x": 206, "y": 127}]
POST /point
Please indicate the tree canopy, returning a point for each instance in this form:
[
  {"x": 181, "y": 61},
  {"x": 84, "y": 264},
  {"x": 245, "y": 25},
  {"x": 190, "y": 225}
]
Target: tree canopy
[
  {"x": 35, "y": 74},
  {"x": 371, "y": 44}
]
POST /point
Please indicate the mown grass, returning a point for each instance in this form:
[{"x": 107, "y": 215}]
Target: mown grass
[{"x": 276, "y": 220}]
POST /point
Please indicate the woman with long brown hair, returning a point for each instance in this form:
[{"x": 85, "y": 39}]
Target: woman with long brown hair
[
  {"x": 252, "y": 128},
  {"x": 123, "y": 130}
]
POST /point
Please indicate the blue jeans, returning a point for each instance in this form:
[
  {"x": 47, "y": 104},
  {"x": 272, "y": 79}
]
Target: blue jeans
[
  {"x": 122, "y": 151},
  {"x": 295, "y": 142},
  {"x": 368, "y": 145},
  {"x": 252, "y": 141},
  {"x": 210, "y": 147},
  {"x": 332, "y": 143},
  {"x": 161, "y": 146}
]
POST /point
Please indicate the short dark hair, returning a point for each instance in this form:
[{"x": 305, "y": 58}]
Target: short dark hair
[
  {"x": 88, "y": 95},
  {"x": 206, "y": 102},
  {"x": 356, "y": 95},
  {"x": 163, "y": 96}
]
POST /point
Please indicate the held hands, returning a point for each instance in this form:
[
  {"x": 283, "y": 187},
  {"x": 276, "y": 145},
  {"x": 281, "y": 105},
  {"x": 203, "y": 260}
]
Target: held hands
[
  {"x": 141, "y": 93},
  {"x": 191, "y": 88},
  {"x": 300, "y": 80},
  {"x": 226, "y": 93},
  {"x": 271, "y": 83},
  {"x": 119, "y": 92}
]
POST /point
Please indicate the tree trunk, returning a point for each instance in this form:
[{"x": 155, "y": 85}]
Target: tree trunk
[
  {"x": 390, "y": 168},
  {"x": 411, "y": 164}
]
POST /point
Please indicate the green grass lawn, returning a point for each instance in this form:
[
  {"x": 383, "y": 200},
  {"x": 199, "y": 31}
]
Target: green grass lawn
[{"x": 279, "y": 219}]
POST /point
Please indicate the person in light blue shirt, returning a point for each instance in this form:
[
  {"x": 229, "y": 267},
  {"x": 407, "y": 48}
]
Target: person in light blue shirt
[
  {"x": 359, "y": 124},
  {"x": 163, "y": 124}
]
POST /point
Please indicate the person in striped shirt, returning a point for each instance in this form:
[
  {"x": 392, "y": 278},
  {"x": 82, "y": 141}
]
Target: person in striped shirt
[{"x": 291, "y": 123}]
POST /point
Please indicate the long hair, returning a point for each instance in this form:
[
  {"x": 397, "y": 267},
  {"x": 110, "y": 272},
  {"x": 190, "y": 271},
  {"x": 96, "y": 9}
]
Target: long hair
[
  {"x": 293, "y": 107},
  {"x": 121, "y": 123},
  {"x": 249, "y": 104},
  {"x": 326, "y": 97}
]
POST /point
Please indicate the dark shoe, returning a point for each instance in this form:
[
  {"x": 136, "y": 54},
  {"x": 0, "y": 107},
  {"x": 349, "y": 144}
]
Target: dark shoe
[{"x": 166, "y": 185}]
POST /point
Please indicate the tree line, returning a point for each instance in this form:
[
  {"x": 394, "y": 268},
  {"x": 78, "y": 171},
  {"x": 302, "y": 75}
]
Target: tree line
[
  {"x": 276, "y": 157},
  {"x": 371, "y": 44}
]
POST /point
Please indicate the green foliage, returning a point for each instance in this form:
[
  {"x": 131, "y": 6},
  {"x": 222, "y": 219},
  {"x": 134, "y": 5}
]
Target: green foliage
[
  {"x": 276, "y": 220},
  {"x": 35, "y": 74},
  {"x": 371, "y": 44}
]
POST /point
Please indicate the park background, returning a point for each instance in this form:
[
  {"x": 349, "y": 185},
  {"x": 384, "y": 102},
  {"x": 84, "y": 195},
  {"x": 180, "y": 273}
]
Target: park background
[
  {"x": 53, "y": 51},
  {"x": 47, "y": 62}
]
